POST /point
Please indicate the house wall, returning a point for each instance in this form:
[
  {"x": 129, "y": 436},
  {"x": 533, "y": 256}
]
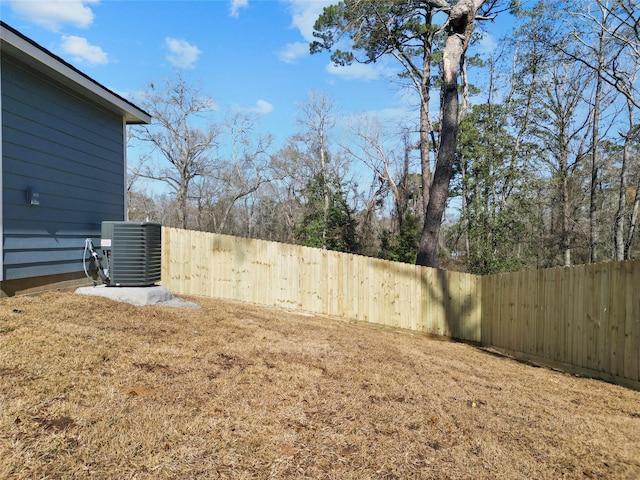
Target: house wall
[
  {"x": 1, "y": 190},
  {"x": 69, "y": 151}
]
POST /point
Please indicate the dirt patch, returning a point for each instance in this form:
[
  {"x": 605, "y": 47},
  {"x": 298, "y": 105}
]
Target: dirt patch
[{"x": 100, "y": 389}]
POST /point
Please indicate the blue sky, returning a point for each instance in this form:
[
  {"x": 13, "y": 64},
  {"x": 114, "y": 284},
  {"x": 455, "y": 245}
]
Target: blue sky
[{"x": 245, "y": 54}]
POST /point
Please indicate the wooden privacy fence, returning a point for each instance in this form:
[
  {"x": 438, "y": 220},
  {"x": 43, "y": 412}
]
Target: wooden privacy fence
[
  {"x": 322, "y": 281},
  {"x": 584, "y": 319}
]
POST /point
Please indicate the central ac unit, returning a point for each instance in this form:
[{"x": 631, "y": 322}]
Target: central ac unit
[{"x": 133, "y": 251}]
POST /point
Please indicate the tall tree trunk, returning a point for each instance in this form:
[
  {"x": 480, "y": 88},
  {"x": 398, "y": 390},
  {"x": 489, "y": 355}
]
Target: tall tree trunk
[
  {"x": 623, "y": 247},
  {"x": 633, "y": 222},
  {"x": 465, "y": 214},
  {"x": 181, "y": 199},
  {"x": 428, "y": 250},
  {"x": 325, "y": 190},
  {"x": 425, "y": 128},
  {"x": 565, "y": 239},
  {"x": 595, "y": 161},
  {"x": 618, "y": 225},
  {"x": 459, "y": 29},
  {"x": 401, "y": 192}
]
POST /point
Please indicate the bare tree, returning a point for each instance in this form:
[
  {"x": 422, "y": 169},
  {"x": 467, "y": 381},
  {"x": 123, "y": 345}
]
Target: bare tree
[
  {"x": 316, "y": 120},
  {"x": 245, "y": 168},
  {"x": 181, "y": 134},
  {"x": 628, "y": 205},
  {"x": 564, "y": 136},
  {"x": 606, "y": 40},
  {"x": 377, "y": 148}
]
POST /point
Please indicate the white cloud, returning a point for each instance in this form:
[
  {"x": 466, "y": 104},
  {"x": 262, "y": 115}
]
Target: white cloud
[
  {"x": 236, "y": 5},
  {"x": 82, "y": 52},
  {"x": 183, "y": 54},
  {"x": 394, "y": 116},
  {"x": 262, "y": 107},
  {"x": 293, "y": 51},
  {"x": 304, "y": 14},
  {"x": 487, "y": 44},
  {"x": 360, "y": 71},
  {"x": 52, "y": 14}
]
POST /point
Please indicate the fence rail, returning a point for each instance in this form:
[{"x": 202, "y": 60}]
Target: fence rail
[{"x": 586, "y": 318}]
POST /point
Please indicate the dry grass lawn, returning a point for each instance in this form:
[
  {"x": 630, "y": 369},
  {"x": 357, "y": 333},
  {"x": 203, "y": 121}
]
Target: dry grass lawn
[{"x": 91, "y": 388}]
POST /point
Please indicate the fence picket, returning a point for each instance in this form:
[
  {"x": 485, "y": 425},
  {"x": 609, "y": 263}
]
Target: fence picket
[{"x": 632, "y": 323}]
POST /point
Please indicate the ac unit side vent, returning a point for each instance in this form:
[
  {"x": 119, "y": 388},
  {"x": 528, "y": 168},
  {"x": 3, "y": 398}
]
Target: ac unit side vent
[{"x": 135, "y": 252}]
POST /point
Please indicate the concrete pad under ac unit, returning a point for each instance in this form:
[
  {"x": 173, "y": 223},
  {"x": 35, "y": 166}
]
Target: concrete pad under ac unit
[{"x": 139, "y": 296}]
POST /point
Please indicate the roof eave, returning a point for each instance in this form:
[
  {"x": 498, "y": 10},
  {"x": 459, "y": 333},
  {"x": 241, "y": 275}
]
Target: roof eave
[{"x": 15, "y": 44}]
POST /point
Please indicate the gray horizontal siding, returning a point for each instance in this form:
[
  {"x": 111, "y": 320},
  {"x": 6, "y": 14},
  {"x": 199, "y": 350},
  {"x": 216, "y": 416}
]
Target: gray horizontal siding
[
  {"x": 41, "y": 106},
  {"x": 78, "y": 153},
  {"x": 71, "y": 152},
  {"x": 35, "y": 269},
  {"x": 27, "y": 257},
  {"x": 51, "y": 189}
]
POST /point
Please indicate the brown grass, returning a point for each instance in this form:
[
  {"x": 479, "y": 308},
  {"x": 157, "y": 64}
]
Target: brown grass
[{"x": 91, "y": 388}]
